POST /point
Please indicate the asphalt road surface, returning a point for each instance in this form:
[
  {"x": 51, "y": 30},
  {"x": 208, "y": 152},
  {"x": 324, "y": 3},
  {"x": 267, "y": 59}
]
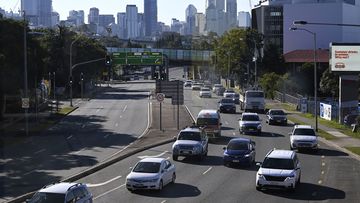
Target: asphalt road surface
[
  {"x": 98, "y": 129},
  {"x": 329, "y": 175}
]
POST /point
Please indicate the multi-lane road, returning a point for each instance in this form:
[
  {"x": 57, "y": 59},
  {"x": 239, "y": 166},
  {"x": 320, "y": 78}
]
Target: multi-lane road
[{"x": 329, "y": 175}]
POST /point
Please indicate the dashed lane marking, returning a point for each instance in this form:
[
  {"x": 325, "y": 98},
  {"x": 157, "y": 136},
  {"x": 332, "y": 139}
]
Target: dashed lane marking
[
  {"x": 103, "y": 183},
  {"x": 207, "y": 171},
  {"x": 103, "y": 194}
]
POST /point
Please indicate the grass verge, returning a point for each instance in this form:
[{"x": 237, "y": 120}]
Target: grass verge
[
  {"x": 321, "y": 133},
  {"x": 355, "y": 150}
]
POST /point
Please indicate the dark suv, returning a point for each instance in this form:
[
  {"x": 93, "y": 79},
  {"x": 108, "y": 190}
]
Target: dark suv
[{"x": 227, "y": 105}]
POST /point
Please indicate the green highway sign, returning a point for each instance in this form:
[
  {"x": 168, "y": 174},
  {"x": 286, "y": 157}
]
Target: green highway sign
[{"x": 137, "y": 58}]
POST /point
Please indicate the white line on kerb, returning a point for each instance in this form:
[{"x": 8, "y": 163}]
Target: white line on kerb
[
  {"x": 154, "y": 156},
  {"x": 207, "y": 171},
  {"x": 104, "y": 183},
  {"x": 103, "y": 194}
]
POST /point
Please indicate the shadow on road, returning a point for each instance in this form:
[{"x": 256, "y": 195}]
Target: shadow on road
[
  {"x": 175, "y": 190},
  {"x": 310, "y": 192}
]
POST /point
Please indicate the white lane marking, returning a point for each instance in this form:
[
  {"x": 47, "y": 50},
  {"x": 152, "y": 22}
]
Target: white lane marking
[
  {"x": 125, "y": 108},
  {"x": 154, "y": 156},
  {"x": 103, "y": 183},
  {"x": 41, "y": 150},
  {"x": 207, "y": 171},
  {"x": 29, "y": 172},
  {"x": 68, "y": 138},
  {"x": 103, "y": 194},
  {"x": 116, "y": 124},
  {"x": 106, "y": 136}
]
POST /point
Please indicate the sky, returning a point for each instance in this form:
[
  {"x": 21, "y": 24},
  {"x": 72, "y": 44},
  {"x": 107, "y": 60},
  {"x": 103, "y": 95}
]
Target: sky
[{"x": 167, "y": 9}]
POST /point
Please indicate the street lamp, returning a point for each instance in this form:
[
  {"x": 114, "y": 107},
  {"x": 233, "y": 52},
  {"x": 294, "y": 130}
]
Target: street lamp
[
  {"x": 315, "y": 70},
  {"x": 70, "y": 78}
]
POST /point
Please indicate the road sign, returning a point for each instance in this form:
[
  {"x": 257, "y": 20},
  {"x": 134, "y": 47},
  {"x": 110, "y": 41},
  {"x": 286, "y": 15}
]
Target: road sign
[
  {"x": 138, "y": 58},
  {"x": 25, "y": 103},
  {"x": 160, "y": 97}
]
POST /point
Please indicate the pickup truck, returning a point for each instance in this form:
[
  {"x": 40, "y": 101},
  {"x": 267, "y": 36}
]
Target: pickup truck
[{"x": 252, "y": 101}]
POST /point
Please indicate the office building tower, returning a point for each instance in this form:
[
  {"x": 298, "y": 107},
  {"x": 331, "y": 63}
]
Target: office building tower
[
  {"x": 93, "y": 17},
  {"x": 132, "y": 21},
  {"x": 231, "y": 13},
  {"x": 244, "y": 19},
  {"x": 190, "y": 19},
  {"x": 150, "y": 17}
]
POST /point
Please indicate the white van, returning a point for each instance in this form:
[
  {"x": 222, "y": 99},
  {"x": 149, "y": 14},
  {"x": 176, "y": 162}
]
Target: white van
[{"x": 210, "y": 119}]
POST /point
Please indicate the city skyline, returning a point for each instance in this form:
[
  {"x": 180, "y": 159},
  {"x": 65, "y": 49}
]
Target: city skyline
[{"x": 165, "y": 12}]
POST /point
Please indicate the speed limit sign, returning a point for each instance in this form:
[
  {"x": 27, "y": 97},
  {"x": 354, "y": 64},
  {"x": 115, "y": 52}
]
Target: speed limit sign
[{"x": 160, "y": 97}]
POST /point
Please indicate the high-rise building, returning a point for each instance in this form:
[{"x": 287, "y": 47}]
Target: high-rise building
[
  {"x": 150, "y": 17},
  {"x": 132, "y": 26},
  {"x": 76, "y": 17},
  {"x": 244, "y": 20},
  {"x": 93, "y": 17},
  {"x": 200, "y": 22},
  {"x": 231, "y": 13},
  {"x": 106, "y": 20},
  {"x": 37, "y": 12},
  {"x": 190, "y": 19},
  {"x": 121, "y": 21}
]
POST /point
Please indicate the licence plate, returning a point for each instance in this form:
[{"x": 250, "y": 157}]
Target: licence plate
[{"x": 235, "y": 161}]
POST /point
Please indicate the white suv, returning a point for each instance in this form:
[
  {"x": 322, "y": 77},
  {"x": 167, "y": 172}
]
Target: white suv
[
  {"x": 303, "y": 137},
  {"x": 280, "y": 169},
  {"x": 63, "y": 192}
]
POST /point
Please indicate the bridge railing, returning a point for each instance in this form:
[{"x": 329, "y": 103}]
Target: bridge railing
[{"x": 173, "y": 54}]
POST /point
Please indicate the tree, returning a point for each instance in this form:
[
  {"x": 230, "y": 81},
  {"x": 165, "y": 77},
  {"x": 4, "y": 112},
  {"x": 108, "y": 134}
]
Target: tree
[{"x": 329, "y": 83}]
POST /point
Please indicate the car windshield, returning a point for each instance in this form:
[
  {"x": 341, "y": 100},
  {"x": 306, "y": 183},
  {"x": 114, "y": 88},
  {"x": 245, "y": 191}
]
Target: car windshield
[
  {"x": 227, "y": 101},
  {"x": 250, "y": 118},
  {"x": 235, "y": 145},
  {"x": 147, "y": 167},
  {"x": 300, "y": 131},
  {"x": 44, "y": 197},
  {"x": 275, "y": 163},
  {"x": 207, "y": 121},
  {"x": 277, "y": 112},
  {"x": 190, "y": 136},
  {"x": 254, "y": 94}
]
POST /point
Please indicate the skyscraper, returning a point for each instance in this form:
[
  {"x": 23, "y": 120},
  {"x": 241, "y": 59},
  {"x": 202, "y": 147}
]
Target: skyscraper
[
  {"x": 150, "y": 17},
  {"x": 93, "y": 17},
  {"x": 231, "y": 13},
  {"x": 190, "y": 19},
  {"x": 132, "y": 21},
  {"x": 38, "y": 12}
]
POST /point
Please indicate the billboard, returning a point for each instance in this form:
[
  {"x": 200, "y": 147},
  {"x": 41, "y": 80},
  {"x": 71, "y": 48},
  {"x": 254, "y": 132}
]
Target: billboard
[{"x": 345, "y": 57}]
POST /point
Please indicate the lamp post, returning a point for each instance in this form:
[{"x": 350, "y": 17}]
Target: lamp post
[
  {"x": 315, "y": 72},
  {"x": 70, "y": 78}
]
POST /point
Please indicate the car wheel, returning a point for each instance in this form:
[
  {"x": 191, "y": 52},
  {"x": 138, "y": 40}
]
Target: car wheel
[
  {"x": 173, "y": 178},
  {"x": 175, "y": 157},
  {"x": 161, "y": 185}
]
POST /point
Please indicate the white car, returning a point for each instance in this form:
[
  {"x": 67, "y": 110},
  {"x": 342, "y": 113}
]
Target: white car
[
  {"x": 303, "y": 137},
  {"x": 280, "y": 168},
  {"x": 62, "y": 192},
  {"x": 205, "y": 92},
  {"x": 151, "y": 174}
]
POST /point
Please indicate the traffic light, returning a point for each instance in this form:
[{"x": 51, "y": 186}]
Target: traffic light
[{"x": 107, "y": 60}]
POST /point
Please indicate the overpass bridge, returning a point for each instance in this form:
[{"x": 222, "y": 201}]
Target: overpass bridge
[{"x": 176, "y": 57}]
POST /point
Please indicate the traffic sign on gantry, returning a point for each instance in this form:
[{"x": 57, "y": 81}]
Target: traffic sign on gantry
[{"x": 138, "y": 58}]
